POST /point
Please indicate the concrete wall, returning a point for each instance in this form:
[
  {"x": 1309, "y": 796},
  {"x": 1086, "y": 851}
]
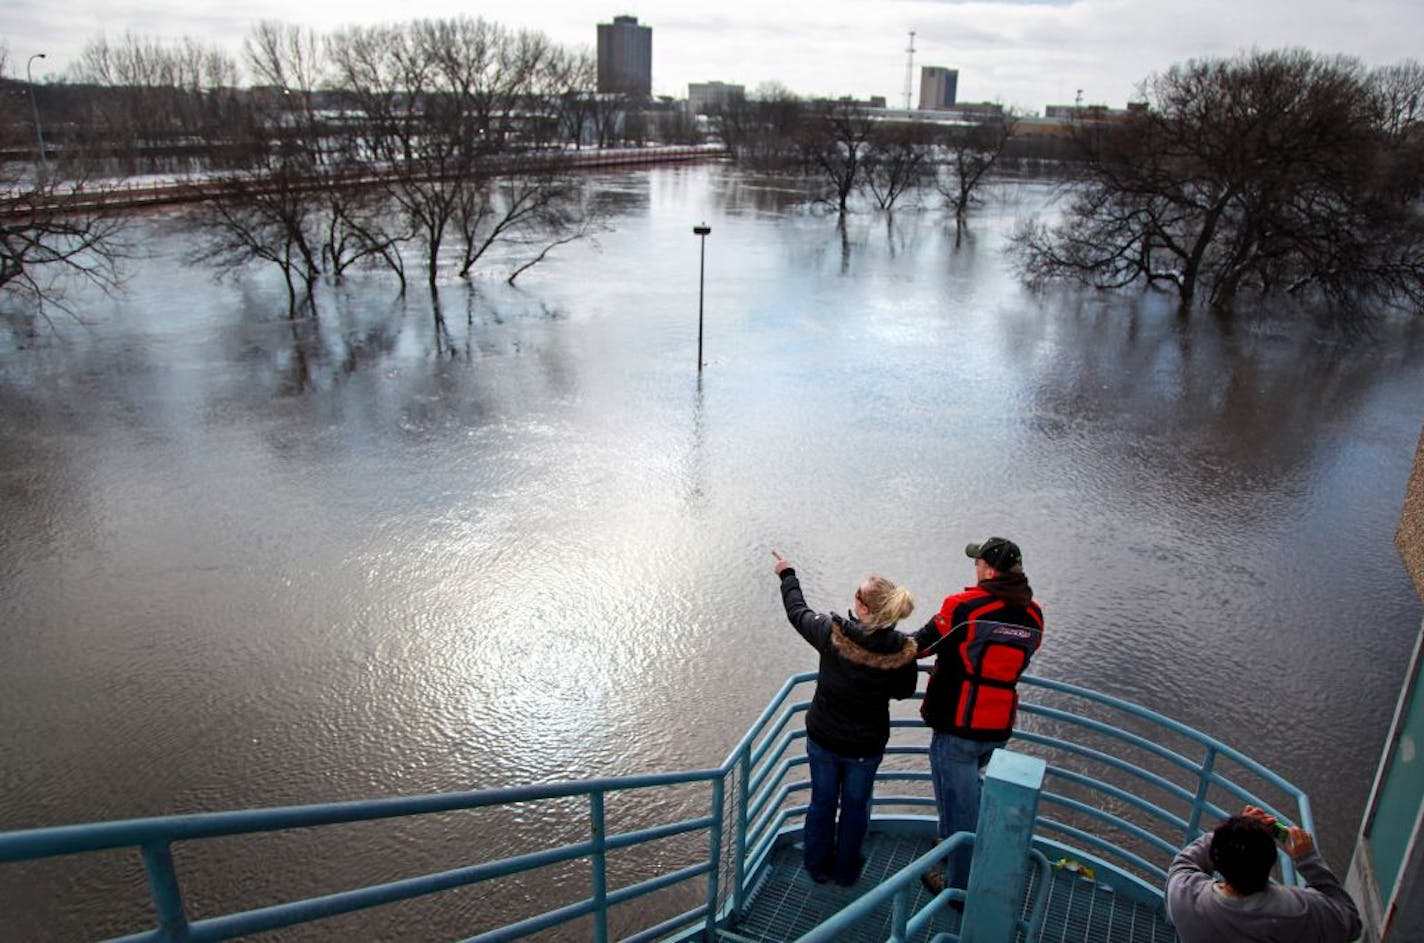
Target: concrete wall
[
  {"x": 1410, "y": 536},
  {"x": 1386, "y": 876}
]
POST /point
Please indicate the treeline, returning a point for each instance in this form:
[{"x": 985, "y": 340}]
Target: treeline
[
  {"x": 424, "y": 142},
  {"x": 142, "y": 100},
  {"x": 1271, "y": 173},
  {"x": 845, "y": 150},
  {"x": 1274, "y": 173},
  {"x": 347, "y": 148}
]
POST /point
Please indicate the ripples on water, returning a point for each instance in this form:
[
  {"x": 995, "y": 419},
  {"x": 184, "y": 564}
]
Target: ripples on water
[{"x": 252, "y": 562}]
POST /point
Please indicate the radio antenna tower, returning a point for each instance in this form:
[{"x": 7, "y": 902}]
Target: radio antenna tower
[{"x": 909, "y": 68}]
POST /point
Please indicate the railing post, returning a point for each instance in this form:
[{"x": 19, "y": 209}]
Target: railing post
[
  {"x": 900, "y": 916},
  {"x": 715, "y": 853},
  {"x": 599, "y": 861},
  {"x": 744, "y": 775},
  {"x": 1203, "y": 785},
  {"x": 167, "y": 896},
  {"x": 999, "y": 872}
]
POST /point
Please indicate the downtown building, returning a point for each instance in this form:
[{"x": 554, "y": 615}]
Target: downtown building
[
  {"x": 625, "y": 57},
  {"x": 705, "y": 97},
  {"x": 938, "y": 88}
]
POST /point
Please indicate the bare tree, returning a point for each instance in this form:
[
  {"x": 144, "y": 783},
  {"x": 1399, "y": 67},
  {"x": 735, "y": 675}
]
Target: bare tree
[
  {"x": 443, "y": 105},
  {"x": 406, "y": 126},
  {"x": 359, "y": 231},
  {"x": 158, "y": 96},
  {"x": 970, "y": 154},
  {"x": 432, "y": 133},
  {"x": 899, "y": 163},
  {"x": 530, "y": 209},
  {"x": 1398, "y": 98},
  {"x": 353, "y": 217},
  {"x": 44, "y": 246},
  {"x": 436, "y": 97},
  {"x": 573, "y": 79},
  {"x": 270, "y": 211},
  {"x": 274, "y": 220},
  {"x": 836, "y": 142},
  {"x": 1260, "y": 173},
  {"x": 674, "y": 123},
  {"x": 1398, "y": 103},
  {"x": 764, "y": 129}
]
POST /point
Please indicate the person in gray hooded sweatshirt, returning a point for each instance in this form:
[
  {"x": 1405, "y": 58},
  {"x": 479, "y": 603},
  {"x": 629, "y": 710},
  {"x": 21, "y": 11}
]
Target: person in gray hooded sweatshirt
[{"x": 1244, "y": 905}]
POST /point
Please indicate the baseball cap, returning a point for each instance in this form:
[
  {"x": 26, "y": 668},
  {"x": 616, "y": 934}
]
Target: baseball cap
[{"x": 1003, "y": 555}]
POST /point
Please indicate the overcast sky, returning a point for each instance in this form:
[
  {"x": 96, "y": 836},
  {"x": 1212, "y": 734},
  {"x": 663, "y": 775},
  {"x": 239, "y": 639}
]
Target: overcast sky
[{"x": 1021, "y": 52}]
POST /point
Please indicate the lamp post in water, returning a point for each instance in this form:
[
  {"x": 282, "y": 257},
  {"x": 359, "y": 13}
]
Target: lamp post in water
[
  {"x": 702, "y": 231},
  {"x": 35, "y": 110}
]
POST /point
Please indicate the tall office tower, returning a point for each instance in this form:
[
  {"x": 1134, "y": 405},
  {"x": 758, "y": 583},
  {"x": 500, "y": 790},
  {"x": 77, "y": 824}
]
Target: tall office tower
[
  {"x": 938, "y": 87},
  {"x": 625, "y": 57}
]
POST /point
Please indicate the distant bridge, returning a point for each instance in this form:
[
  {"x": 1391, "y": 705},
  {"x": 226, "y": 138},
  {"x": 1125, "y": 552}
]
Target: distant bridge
[{"x": 115, "y": 195}]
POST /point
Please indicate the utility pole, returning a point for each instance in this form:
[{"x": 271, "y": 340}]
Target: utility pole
[{"x": 909, "y": 69}]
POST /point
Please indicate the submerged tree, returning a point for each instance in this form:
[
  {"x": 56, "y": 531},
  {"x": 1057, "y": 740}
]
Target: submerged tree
[
  {"x": 971, "y": 152},
  {"x": 836, "y": 142},
  {"x": 440, "y": 106},
  {"x": 762, "y": 129},
  {"x": 1274, "y": 172},
  {"x": 431, "y": 134},
  {"x": 530, "y": 210},
  {"x": 45, "y": 241},
  {"x": 310, "y": 195},
  {"x": 43, "y": 245},
  {"x": 900, "y": 162}
]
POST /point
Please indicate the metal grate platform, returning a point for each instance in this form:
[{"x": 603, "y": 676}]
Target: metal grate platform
[
  {"x": 785, "y": 903},
  {"x": 1084, "y": 911}
]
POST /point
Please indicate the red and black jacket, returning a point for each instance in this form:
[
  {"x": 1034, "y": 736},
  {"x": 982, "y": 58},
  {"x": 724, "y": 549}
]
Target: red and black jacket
[{"x": 982, "y": 641}]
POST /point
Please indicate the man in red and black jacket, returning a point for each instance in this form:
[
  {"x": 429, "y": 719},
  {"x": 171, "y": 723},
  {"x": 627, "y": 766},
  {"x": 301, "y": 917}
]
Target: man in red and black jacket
[{"x": 982, "y": 638}]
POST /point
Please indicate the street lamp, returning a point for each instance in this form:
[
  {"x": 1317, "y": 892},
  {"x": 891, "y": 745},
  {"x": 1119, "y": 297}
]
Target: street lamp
[
  {"x": 702, "y": 231},
  {"x": 34, "y": 109}
]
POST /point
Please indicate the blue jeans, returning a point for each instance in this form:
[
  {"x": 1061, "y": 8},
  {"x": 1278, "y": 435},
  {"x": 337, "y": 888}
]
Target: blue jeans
[
  {"x": 954, "y": 767},
  {"x": 832, "y": 848}
]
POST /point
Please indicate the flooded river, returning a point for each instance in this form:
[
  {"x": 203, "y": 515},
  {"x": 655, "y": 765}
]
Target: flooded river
[{"x": 248, "y": 561}]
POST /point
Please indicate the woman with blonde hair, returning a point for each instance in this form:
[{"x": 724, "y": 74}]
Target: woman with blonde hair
[{"x": 864, "y": 663}]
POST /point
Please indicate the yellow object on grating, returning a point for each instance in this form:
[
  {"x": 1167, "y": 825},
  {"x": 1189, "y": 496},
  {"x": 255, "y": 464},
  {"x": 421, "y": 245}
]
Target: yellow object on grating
[{"x": 1082, "y": 870}]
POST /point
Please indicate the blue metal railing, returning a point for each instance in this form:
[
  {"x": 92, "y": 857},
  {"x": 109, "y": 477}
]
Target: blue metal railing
[
  {"x": 1111, "y": 787},
  {"x": 155, "y": 837},
  {"x": 753, "y": 801},
  {"x": 1204, "y": 777},
  {"x": 899, "y": 891}
]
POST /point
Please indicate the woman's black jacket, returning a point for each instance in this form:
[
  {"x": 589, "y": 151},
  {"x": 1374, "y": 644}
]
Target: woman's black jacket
[{"x": 861, "y": 669}]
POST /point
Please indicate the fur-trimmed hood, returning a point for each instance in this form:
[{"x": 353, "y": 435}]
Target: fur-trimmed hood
[
  {"x": 860, "y": 671},
  {"x": 853, "y": 643}
]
